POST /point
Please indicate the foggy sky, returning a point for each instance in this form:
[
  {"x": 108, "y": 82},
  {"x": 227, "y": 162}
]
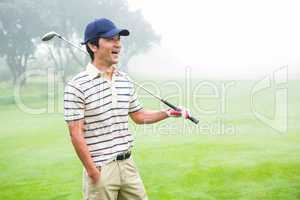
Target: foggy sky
[{"x": 221, "y": 39}]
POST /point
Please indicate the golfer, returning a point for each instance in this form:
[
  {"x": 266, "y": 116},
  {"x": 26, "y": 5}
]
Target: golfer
[{"x": 97, "y": 104}]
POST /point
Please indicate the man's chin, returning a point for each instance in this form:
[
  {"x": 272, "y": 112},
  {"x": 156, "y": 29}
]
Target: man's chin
[{"x": 115, "y": 61}]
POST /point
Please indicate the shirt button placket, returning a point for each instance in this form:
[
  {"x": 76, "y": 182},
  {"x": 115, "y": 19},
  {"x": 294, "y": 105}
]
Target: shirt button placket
[{"x": 114, "y": 93}]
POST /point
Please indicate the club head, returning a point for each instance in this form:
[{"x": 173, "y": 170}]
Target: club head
[{"x": 49, "y": 36}]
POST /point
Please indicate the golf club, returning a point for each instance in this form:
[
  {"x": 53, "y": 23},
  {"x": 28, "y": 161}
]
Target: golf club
[{"x": 50, "y": 35}]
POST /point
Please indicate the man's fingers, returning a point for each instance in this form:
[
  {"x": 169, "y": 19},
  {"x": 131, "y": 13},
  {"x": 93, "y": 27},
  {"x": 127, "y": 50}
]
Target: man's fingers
[
  {"x": 173, "y": 113},
  {"x": 177, "y": 113},
  {"x": 95, "y": 179},
  {"x": 186, "y": 113},
  {"x": 95, "y": 176}
]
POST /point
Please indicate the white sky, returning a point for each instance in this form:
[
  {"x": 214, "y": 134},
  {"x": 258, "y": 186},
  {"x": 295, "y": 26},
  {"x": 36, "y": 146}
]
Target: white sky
[{"x": 222, "y": 39}]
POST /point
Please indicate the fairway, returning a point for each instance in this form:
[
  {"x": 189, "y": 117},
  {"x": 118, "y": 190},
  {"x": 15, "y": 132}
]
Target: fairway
[{"x": 37, "y": 160}]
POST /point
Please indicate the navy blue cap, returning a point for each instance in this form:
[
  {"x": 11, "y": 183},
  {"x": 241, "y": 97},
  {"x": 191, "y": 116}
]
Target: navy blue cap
[{"x": 102, "y": 28}]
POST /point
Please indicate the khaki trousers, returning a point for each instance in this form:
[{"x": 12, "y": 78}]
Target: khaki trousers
[{"x": 119, "y": 180}]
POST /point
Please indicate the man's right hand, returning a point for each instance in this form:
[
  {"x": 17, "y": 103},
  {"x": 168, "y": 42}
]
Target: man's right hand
[{"x": 94, "y": 175}]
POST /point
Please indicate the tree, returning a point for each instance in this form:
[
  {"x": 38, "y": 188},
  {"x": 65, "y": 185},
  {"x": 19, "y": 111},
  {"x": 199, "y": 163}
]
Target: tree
[
  {"x": 23, "y": 22},
  {"x": 141, "y": 40},
  {"x": 71, "y": 21},
  {"x": 19, "y": 26}
]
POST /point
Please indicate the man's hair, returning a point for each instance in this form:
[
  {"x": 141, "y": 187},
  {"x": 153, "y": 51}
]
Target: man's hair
[{"x": 93, "y": 42}]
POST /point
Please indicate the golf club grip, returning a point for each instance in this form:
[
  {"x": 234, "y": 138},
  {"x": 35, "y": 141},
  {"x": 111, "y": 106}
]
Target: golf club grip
[
  {"x": 193, "y": 119},
  {"x": 169, "y": 104}
]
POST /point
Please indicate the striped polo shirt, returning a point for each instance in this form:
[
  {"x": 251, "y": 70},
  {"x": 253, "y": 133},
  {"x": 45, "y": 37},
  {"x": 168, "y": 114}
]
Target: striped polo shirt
[{"x": 104, "y": 106}]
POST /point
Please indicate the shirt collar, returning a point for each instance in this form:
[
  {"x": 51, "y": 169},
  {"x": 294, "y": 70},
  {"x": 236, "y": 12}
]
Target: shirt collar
[{"x": 93, "y": 72}]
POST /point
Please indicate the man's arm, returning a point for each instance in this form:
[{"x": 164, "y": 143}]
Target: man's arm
[
  {"x": 147, "y": 117},
  {"x": 81, "y": 148}
]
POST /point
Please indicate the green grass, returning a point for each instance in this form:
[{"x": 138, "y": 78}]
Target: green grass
[{"x": 37, "y": 160}]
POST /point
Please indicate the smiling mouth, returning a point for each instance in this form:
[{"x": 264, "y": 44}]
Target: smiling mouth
[{"x": 115, "y": 52}]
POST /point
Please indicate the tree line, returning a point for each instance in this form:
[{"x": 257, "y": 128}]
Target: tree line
[{"x": 23, "y": 22}]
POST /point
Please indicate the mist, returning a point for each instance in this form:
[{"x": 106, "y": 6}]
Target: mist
[{"x": 221, "y": 39}]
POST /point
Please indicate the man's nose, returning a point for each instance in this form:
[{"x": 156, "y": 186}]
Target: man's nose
[{"x": 118, "y": 44}]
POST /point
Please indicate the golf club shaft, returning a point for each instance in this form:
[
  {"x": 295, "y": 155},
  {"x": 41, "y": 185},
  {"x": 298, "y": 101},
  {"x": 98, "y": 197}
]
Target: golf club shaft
[
  {"x": 50, "y": 35},
  {"x": 72, "y": 44}
]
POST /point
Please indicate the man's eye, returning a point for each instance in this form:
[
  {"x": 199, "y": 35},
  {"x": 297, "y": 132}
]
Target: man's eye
[
  {"x": 117, "y": 38},
  {"x": 114, "y": 38}
]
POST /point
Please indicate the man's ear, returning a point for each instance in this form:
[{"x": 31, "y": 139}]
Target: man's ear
[{"x": 92, "y": 47}]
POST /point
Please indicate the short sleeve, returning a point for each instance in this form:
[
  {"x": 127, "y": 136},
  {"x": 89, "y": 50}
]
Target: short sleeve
[
  {"x": 134, "y": 104},
  {"x": 73, "y": 103}
]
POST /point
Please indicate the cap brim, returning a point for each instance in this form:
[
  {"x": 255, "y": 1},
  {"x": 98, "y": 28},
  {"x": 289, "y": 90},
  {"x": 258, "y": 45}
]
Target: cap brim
[{"x": 112, "y": 33}]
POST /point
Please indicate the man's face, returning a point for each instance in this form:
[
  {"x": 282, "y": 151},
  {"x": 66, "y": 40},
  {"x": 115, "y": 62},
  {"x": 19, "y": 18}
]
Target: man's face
[{"x": 109, "y": 50}]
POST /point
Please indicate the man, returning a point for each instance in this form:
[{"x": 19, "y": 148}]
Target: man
[{"x": 97, "y": 103}]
